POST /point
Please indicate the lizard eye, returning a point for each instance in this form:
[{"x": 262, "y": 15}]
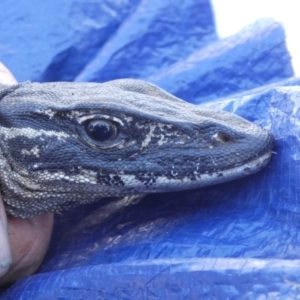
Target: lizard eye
[{"x": 101, "y": 130}]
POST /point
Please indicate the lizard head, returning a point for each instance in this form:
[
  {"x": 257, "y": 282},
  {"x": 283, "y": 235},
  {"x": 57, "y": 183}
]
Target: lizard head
[{"x": 62, "y": 144}]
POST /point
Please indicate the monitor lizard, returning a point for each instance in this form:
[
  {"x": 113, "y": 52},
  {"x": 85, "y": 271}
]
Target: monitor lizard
[{"x": 63, "y": 144}]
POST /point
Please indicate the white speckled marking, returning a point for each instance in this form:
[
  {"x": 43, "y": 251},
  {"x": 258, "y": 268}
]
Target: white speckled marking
[
  {"x": 11, "y": 133},
  {"x": 35, "y": 151}
]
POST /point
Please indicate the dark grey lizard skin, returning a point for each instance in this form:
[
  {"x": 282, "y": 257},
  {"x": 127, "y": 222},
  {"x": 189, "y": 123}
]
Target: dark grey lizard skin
[{"x": 63, "y": 144}]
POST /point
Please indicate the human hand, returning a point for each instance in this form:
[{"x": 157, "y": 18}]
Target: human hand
[{"x": 23, "y": 242}]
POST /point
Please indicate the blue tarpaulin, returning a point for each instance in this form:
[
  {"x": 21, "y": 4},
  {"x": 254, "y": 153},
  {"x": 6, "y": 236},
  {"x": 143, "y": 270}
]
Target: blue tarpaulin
[{"x": 238, "y": 240}]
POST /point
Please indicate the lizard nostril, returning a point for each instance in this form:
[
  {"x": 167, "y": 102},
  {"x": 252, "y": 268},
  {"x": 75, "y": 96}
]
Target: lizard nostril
[{"x": 221, "y": 137}]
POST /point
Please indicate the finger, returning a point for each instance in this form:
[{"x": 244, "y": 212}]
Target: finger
[{"x": 29, "y": 240}]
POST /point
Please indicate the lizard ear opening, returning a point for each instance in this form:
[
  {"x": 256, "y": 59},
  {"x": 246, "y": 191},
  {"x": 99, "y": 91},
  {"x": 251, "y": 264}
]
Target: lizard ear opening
[{"x": 142, "y": 87}]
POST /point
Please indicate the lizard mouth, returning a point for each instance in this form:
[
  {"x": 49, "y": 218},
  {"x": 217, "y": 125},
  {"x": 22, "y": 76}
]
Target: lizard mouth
[
  {"x": 248, "y": 168},
  {"x": 216, "y": 177}
]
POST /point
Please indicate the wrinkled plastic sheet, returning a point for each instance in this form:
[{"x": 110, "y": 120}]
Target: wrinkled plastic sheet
[{"x": 238, "y": 240}]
